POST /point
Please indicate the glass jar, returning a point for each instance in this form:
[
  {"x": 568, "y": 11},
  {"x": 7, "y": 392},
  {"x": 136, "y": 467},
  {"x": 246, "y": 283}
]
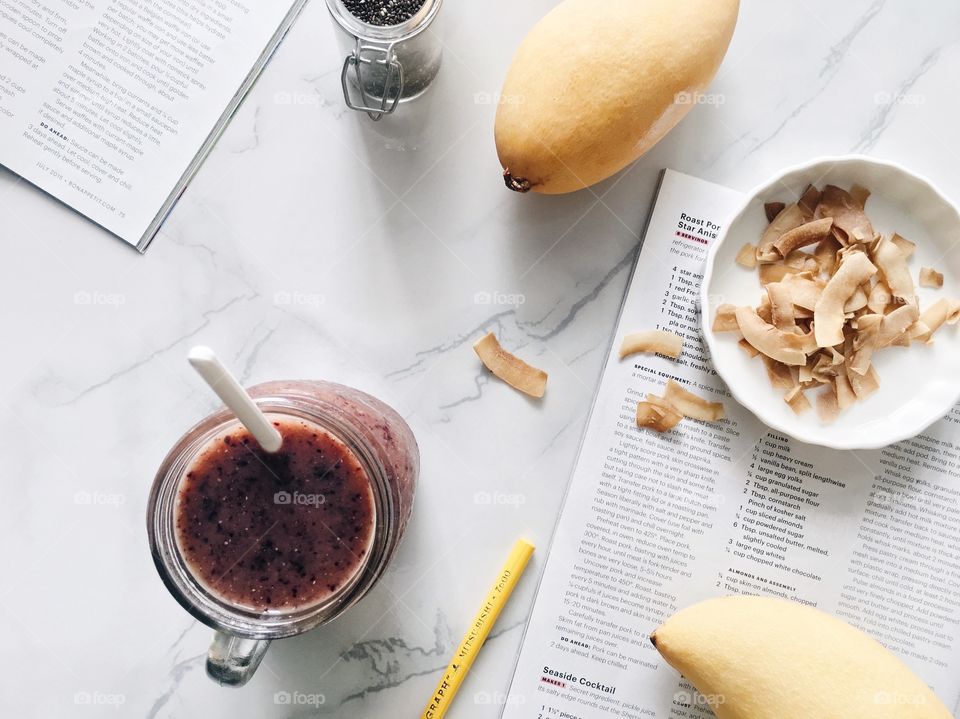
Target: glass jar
[
  {"x": 387, "y": 64},
  {"x": 384, "y": 447}
]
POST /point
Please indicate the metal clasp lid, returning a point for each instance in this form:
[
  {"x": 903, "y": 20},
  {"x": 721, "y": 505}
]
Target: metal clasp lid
[{"x": 378, "y": 60}]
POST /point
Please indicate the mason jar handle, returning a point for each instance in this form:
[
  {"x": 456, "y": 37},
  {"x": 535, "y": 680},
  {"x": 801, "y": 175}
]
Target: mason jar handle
[
  {"x": 232, "y": 660},
  {"x": 370, "y": 55}
]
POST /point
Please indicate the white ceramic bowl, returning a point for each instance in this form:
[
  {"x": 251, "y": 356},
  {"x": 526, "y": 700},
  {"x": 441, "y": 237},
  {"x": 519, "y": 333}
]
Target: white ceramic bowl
[{"x": 918, "y": 384}]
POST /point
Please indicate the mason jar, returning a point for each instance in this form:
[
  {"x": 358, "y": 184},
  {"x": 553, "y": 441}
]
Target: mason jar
[
  {"x": 383, "y": 446},
  {"x": 385, "y": 65}
]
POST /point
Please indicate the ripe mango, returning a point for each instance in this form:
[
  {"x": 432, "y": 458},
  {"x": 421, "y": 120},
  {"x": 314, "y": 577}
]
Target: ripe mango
[
  {"x": 765, "y": 658},
  {"x": 597, "y": 83}
]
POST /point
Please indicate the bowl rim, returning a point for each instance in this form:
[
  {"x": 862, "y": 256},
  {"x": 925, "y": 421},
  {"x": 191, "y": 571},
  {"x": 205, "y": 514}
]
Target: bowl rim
[{"x": 813, "y": 436}]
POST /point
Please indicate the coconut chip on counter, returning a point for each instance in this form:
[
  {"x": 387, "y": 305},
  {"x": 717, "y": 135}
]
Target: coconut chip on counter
[
  {"x": 510, "y": 368},
  {"x": 835, "y": 293},
  {"x": 664, "y": 413}
]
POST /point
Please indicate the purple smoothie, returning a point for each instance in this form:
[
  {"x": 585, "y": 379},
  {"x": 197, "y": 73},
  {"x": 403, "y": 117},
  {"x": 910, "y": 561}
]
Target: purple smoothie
[{"x": 277, "y": 531}]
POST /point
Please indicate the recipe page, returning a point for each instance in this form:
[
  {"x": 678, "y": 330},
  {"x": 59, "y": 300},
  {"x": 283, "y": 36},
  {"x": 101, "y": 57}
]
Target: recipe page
[
  {"x": 105, "y": 103},
  {"x": 655, "y": 522}
]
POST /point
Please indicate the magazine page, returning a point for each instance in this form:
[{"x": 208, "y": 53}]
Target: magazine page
[
  {"x": 105, "y": 103},
  {"x": 655, "y": 522}
]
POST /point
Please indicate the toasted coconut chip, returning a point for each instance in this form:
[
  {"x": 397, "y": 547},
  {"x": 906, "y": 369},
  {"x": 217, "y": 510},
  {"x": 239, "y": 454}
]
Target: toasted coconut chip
[
  {"x": 903, "y": 244},
  {"x": 766, "y": 338},
  {"x": 862, "y": 344},
  {"x": 919, "y": 332},
  {"x": 860, "y": 194},
  {"x": 776, "y": 271},
  {"x": 791, "y": 217},
  {"x": 781, "y": 376},
  {"x": 804, "y": 292},
  {"x": 879, "y": 298},
  {"x": 809, "y": 200},
  {"x": 658, "y": 417},
  {"x": 828, "y": 319},
  {"x": 747, "y": 256},
  {"x": 825, "y": 369},
  {"x": 809, "y": 233},
  {"x": 941, "y": 312},
  {"x": 510, "y": 368},
  {"x": 653, "y": 341},
  {"x": 953, "y": 312},
  {"x": 852, "y": 248},
  {"x": 797, "y": 400},
  {"x": 856, "y": 302},
  {"x": 690, "y": 405},
  {"x": 726, "y": 319},
  {"x": 806, "y": 343},
  {"x": 828, "y": 409},
  {"x": 845, "y": 394},
  {"x": 893, "y": 264},
  {"x": 850, "y": 223},
  {"x": 772, "y": 209},
  {"x": 797, "y": 259},
  {"x": 929, "y": 277},
  {"x": 781, "y": 306},
  {"x": 832, "y": 355},
  {"x": 826, "y": 255},
  {"x": 864, "y": 385},
  {"x": 893, "y": 328},
  {"x": 748, "y": 348},
  {"x": 764, "y": 311}
]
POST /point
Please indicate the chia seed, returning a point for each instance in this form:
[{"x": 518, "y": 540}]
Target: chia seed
[{"x": 383, "y": 12}]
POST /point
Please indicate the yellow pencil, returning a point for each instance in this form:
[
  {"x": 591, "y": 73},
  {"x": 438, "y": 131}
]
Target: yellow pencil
[{"x": 479, "y": 630}]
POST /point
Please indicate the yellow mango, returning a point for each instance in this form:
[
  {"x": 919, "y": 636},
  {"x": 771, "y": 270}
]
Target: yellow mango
[
  {"x": 597, "y": 83},
  {"x": 764, "y": 658}
]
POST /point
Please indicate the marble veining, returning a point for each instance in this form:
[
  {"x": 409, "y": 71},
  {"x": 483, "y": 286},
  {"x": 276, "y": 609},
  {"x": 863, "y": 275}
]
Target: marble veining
[{"x": 314, "y": 243}]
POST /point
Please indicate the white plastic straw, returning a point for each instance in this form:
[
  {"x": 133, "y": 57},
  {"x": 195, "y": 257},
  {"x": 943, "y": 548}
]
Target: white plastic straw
[{"x": 208, "y": 366}]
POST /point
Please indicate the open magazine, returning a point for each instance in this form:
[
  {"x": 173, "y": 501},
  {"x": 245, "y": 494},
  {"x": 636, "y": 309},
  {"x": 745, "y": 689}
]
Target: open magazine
[
  {"x": 111, "y": 106},
  {"x": 655, "y": 522}
]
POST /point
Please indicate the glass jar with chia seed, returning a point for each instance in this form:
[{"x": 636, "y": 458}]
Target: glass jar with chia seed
[{"x": 393, "y": 51}]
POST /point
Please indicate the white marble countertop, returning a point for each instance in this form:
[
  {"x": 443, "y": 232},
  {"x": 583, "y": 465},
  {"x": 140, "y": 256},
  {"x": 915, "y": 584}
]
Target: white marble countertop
[{"x": 314, "y": 243}]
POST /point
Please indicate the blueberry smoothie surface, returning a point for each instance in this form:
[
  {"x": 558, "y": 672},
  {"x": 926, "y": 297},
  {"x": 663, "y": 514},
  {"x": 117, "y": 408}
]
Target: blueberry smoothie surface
[
  {"x": 279, "y": 531},
  {"x": 386, "y": 432}
]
